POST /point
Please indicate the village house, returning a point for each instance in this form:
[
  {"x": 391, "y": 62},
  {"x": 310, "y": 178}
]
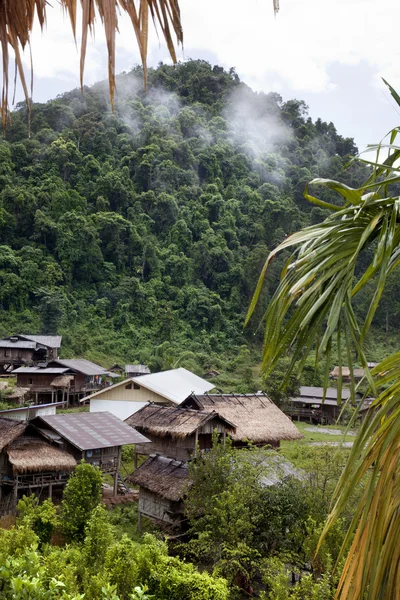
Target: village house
[
  {"x": 28, "y": 350},
  {"x": 117, "y": 370},
  {"x": 163, "y": 482},
  {"x": 175, "y": 432},
  {"x": 29, "y": 464},
  {"x": 255, "y": 417},
  {"x": 358, "y": 374},
  {"x": 26, "y": 413},
  {"x": 316, "y": 405},
  {"x": 167, "y": 387},
  {"x": 136, "y": 370},
  {"x": 65, "y": 380},
  {"x": 96, "y": 438}
]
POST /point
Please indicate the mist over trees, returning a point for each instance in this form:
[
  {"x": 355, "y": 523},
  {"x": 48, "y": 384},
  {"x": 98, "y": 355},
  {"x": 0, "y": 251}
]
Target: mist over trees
[{"x": 140, "y": 234}]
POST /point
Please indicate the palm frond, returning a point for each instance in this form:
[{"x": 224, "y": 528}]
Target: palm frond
[
  {"x": 17, "y": 19},
  {"x": 372, "y": 567},
  {"x": 313, "y": 304}
]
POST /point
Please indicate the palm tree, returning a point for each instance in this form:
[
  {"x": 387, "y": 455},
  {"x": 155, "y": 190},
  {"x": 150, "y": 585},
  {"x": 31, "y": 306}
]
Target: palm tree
[
  {"x": 313, "y": 308},
  {"x": 17, "y": 18}
]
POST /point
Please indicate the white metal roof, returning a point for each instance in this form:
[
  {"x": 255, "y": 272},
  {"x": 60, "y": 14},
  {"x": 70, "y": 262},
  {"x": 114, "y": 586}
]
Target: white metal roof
[{"x": 175, "y": 385}]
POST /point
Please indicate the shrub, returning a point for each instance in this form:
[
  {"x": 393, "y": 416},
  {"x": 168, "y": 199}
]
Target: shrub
[{"x": 81, "y": 496}]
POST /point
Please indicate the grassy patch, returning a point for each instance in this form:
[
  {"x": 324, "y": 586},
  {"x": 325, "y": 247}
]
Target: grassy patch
[{"x": 320, "y": 435}]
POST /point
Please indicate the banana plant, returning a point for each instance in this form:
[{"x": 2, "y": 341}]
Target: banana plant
[{"x": 313, "y": 308}]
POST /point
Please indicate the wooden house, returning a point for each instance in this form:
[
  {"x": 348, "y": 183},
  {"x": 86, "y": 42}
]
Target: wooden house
[
  {"x": 167, "y": 387},
  {"x": 317, "y": 406},
  {"x": 162, "y": 483},
  {"x": 95, "y": 437},
  {"x": 255, "y": 417},
  {"x": 175, "y": 432},
  {"x": 28, "y": 464},
  {"x": 358, "y": 374},
  {"x": 62, "y": 380},
  {"x": 19, "y": 350},
  {"x": 118, "y": 370},
  {"x": 136, "y": 370},
  {"x": 26, "y": 413}
]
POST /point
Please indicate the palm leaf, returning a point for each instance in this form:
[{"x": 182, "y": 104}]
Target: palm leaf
[{"x": 312, "y": 304}]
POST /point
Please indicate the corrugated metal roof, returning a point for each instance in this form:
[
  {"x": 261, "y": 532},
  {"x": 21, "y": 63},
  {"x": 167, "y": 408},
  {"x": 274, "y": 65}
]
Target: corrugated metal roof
[
  {"x": 39, "y": 371},
  {"x": 82, "y": 365},
  {"x": 318, "y": 392},
  {"x": 309, "y": 400},
  {"x": 52, "y": 341},
  {"x": 19, "y": 344},
  {"x": 175, "y": 385},
  {"x": 88, "y": 431},
  {"x": 137, "y": 369}
]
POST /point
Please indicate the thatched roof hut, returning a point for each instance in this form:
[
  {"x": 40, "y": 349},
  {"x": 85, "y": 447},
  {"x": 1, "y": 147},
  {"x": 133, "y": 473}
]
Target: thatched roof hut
[
  {"x": 357, "y": 373},
  {"x": 62, "y": 381},
  {"x": 18, "y": 394},
  {"x": 173, "y": 420},
  {"x": 165, "y": 477},
  {"x": 32, "y": 454},
  {"x": 256, "y": 418},
  {"x": 10, "y": 430}
]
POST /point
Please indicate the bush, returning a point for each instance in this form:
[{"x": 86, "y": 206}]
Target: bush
[
  {"x": 81, "y": 496},
  {"x": 41, "y": 518}
]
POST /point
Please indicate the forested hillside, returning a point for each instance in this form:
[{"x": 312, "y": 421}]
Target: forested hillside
[{"x": 140, "y": 234}]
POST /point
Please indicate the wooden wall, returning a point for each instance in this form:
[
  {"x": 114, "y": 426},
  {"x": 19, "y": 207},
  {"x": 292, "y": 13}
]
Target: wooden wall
[
  {"x": 154, "y": 506},
  {"x": 123, "y": 392},
  {"x": 16, "y": 354}
]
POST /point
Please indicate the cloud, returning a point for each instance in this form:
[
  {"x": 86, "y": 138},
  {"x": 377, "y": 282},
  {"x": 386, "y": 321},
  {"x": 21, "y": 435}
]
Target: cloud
[{"x": 293, "y": 49}]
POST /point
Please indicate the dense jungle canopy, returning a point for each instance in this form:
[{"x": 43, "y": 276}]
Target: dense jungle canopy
[{"x": 139, "y": 234}]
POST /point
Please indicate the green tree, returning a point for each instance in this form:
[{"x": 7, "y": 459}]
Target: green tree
[
  {"x": 81, "y": 496},
  {"x": 41, "y": 518}
]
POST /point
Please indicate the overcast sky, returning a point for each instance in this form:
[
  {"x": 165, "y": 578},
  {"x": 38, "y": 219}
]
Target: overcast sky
[{"x": 330, "y": 53}]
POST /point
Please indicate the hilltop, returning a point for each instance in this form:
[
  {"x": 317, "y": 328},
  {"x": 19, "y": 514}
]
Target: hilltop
[{"x": 139, "y": 235}]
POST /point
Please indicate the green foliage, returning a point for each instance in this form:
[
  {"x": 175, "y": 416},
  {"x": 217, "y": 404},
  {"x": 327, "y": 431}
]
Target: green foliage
[
  {"x": 81, "y": 496},
  {"x": 99, "y": 537},
  {"x": 277, "y": 579},
  {"x": 125, "y": 231},
  {"x": 236, "y": 519},
  {"x": 41, "y": 518}
]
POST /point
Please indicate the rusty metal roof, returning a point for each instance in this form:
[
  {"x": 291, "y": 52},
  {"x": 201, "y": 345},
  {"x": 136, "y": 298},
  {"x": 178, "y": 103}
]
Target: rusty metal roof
[{"x": 88, "y": 431}]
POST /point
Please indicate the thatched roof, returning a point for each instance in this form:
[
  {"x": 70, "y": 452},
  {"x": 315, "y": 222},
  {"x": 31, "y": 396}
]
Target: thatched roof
[
  {"x": 30, "y": 454},
  {"x": 10, "y": 429},
  {"x": 62, "y": 381},
  {"x": 172, "y": 420},
  {"x": 357, "y": 373},
  {"x": 164, "y": 476},
  {"x": 18, "y": 393},
  {"x": 256, "y": 417}
]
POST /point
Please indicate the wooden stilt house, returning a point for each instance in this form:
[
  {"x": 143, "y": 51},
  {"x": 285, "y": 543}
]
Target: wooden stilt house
[
  {"x": 175, "y": 432},
  {"x": 28, "y": 464},
  {"x": 255, "y": 417},
  {"x": 96, "y": 438},
  {"x": 163, "y": 483}
]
